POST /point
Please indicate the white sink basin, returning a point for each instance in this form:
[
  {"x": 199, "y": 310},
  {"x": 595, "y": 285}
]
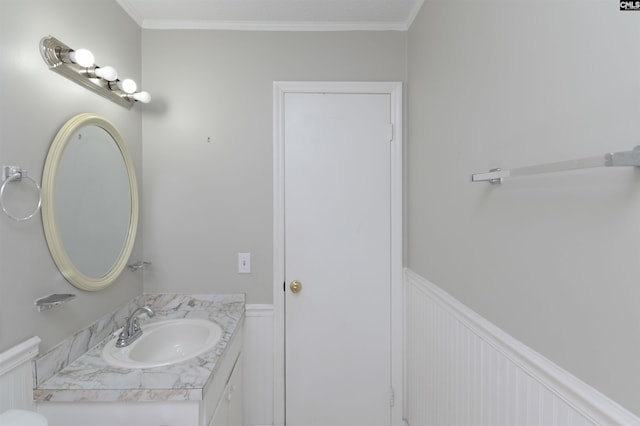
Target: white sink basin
[{"x": 164, "y": 343}]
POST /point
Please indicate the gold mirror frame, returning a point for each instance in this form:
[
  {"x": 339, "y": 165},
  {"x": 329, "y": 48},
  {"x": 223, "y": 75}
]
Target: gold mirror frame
[{"x": 49, "y": 219}]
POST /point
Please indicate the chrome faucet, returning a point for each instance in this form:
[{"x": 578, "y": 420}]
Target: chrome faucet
[{"x": 131, "y": 330}]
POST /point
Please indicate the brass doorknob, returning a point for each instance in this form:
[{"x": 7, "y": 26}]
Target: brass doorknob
[{"x": 295, "y": 286}]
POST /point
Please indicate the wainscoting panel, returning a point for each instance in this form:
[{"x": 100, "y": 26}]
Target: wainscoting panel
[
  {"x": 16, "y": 375},
  {"x": 258, "y": 365},
  {"x": 463, "y": 370}
]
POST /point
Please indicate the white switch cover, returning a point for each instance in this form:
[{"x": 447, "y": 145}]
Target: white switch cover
[{"x": 244, "y": 263}]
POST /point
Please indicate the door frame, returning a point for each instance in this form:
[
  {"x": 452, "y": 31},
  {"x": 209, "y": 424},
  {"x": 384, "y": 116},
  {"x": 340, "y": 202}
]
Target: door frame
[{"x": 394, "y": 89}]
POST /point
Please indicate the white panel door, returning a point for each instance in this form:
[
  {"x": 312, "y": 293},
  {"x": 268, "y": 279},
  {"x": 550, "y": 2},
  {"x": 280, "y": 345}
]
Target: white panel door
[{"x": 337, "y": 196}]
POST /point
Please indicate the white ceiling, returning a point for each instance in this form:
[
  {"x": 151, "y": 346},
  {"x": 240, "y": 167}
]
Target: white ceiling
[{"x": 273, "y": 15}]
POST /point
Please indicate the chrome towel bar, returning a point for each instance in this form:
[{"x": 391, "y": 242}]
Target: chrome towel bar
[{"x": 613, "y": 159}]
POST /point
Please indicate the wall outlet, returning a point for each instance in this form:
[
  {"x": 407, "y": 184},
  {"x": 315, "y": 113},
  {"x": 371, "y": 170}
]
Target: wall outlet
[{"x": 244, "y": 263}]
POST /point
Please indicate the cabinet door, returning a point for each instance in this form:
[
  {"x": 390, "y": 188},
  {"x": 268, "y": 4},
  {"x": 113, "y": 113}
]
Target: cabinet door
[
  {"x": 236, "y": 398},
  {"x": 222, "y": 411}
]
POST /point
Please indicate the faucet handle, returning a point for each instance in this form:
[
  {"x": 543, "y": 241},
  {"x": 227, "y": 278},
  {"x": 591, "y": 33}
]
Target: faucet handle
[
  {"x": 122, "y": 338},
  {"x": 135, "y": 324}
]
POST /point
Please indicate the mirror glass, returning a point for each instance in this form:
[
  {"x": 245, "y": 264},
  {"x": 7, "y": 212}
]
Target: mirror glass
[{"x": 90, "y": 202}]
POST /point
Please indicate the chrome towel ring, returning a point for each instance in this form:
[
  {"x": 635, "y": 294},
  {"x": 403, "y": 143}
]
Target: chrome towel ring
[{"x": 16, "y": 174}]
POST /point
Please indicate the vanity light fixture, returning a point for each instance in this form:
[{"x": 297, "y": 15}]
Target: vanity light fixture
[{"x": 79, "y": 66}]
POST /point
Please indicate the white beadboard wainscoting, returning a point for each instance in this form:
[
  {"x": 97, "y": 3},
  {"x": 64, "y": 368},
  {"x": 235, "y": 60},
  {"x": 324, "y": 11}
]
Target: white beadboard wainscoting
[
  {"x": 258, "y": 365},
  {"x": 463, "y": 370},
  {"x": 16, "y": 375},
  {"x": 460, "y": 370}
]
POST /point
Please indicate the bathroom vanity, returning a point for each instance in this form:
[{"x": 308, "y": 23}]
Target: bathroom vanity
[
  {"x": 203, "y": 391},
  {"x": 187, "y": 369}
]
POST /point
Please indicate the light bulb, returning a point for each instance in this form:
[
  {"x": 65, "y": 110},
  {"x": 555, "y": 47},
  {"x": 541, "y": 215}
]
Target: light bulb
[
  {"x": 82, "y": 57},
  {"x": 143, "y": 97},
  {"x": 127, "y": 85},
  {"x": 106, "y": 73}
]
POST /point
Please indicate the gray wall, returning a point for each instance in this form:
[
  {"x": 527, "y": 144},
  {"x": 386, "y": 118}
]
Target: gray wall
[
  {"x": 206, "y": 201},
  {"x": 34, "y": 104},
  {"x": 554, "y": 259}
]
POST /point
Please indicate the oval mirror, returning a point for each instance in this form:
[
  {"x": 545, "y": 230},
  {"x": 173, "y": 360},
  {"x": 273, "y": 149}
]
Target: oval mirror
[{"x": 89, "y": 202}]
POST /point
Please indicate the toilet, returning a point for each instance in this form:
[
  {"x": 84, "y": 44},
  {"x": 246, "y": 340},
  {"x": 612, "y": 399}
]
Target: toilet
[{"x": 22, "y": 418}]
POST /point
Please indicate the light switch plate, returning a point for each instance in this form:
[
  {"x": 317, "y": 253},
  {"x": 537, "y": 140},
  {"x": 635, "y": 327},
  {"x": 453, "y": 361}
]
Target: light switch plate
[{"x": 244, "y": 263}]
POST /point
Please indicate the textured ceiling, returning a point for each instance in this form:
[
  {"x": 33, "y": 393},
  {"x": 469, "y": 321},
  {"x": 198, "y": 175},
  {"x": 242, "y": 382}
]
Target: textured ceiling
[{"x": 320, "y": 15}]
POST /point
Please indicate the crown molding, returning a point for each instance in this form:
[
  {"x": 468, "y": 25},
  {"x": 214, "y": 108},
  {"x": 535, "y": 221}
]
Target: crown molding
[{"x": 162, "y": 24}]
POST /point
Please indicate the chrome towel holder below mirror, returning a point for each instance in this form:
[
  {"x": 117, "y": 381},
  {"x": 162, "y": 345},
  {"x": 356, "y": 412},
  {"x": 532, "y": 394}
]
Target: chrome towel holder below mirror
[{"x": 16, "y": 174}]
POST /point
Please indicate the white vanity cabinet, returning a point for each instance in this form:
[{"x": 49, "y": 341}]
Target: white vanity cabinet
[
  {"x": 221, "y": 416},
  {"x": 229, "y": 411},
  {"x": 221, "y": 403},
  {"x": 236, "y": 396}
]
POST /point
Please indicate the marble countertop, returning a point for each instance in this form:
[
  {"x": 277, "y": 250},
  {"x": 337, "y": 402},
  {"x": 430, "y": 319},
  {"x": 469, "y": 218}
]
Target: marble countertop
[{"x": 90, "y": 378}]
